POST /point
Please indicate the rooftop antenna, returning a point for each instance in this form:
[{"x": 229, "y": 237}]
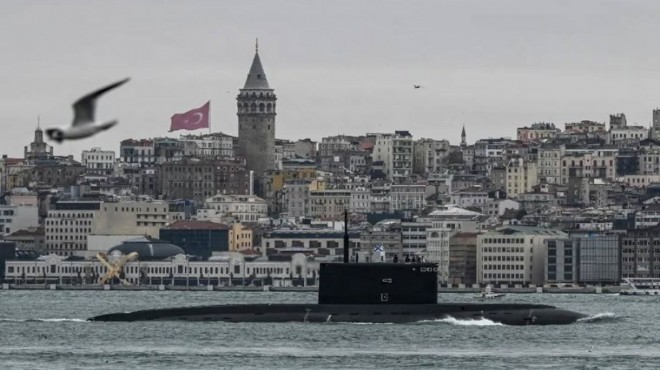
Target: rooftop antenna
[
  {"x": 256, "y": 45},
  {"x": 345, "y": 235}
]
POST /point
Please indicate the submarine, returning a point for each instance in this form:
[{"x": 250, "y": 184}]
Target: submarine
[{"x": 367, "y": 292}]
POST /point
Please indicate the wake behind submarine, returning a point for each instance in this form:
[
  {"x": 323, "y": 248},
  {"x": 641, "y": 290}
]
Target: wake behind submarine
[{"x": 366, "y": 293}]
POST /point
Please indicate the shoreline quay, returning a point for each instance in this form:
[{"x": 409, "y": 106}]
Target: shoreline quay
[{"x": 238, "y": 288}]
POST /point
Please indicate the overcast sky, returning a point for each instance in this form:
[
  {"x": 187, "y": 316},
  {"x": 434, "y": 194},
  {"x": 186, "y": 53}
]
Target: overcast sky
[{"x": 337, "y": 67}]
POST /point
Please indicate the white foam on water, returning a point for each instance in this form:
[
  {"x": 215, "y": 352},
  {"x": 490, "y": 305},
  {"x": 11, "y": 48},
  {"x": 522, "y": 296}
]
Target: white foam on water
[
  {"x": 468, "y": 322},
  {"x": 603, "y": 316},
  {"x": 43, "y": 320}
]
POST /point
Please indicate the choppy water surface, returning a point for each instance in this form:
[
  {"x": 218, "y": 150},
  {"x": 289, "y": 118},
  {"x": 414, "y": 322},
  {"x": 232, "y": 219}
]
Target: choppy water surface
[{"x": 46, "y": 329}]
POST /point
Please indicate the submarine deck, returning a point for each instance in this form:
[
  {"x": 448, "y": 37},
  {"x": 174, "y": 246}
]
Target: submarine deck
[{"x": 505, "y": 313}]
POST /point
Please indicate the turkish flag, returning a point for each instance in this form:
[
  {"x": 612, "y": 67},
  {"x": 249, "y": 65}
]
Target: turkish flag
[{"x": 192, "y": 120}]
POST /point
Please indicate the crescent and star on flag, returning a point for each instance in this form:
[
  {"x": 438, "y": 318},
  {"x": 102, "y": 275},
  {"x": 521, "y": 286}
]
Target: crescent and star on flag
[{"x": 192, "y": 120}]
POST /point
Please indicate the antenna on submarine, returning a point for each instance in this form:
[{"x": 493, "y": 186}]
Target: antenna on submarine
[{"x": 345, "y": 235}]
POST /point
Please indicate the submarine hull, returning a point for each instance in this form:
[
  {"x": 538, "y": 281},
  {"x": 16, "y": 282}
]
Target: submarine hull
[{"x": 507, "y": 314}]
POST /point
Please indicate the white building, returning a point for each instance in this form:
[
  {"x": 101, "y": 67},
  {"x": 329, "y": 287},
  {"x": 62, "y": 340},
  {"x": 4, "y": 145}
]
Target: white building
[
  {"x": 218, "y": 270},
  {"x": 638, "y": 181},
  {"x": 549, "y": 164},
  {"x": 430, "y": 155},
  {"x": 70, "y": 223},
  {"x": 67, "y": 226},
  {"x": 396, "y": 153},
  {"x": 513, "y": 255},
  {"x": 214, "y": 145},
  {"x": 17, "y": 217},
  {"x": 132, "y": 218},
  {"x": 407, "y": 197},
  {"x": 520, "y": 177},
  {"x": 329, "y": 204},
  {"x": 628, "y": 134},
  {"x": 444, "y": 224},
  {"x": 497, "y": 207},
  {"x": 469, "y": 197},
  {"x": 245, "y": 208},
  {"x": 649, "y": 160},
  {"x": 297, "y": 197},
  {"x": 360, "y": 200},
  {"x": 98, "y": 161}
]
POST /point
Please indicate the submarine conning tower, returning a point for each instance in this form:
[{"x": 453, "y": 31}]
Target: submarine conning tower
[{"x": 377, "y": 283}]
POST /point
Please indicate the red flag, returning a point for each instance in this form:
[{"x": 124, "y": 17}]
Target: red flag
[{"x": 191, "y": 120}]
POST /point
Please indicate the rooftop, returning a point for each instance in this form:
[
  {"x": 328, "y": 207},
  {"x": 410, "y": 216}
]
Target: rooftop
[{"x": 196, "y": 225}]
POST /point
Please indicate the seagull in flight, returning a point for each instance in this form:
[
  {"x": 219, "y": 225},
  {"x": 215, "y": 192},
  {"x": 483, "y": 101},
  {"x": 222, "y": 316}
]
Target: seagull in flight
[
  {"x": 417, "y": 86},
  {"x": 84, "y": 124}
]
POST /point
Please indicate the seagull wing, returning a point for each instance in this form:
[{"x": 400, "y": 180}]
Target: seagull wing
[{"x": 84, "y": 108}]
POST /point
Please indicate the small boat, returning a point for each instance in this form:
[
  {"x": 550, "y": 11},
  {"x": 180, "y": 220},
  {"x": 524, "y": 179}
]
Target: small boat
[
  {"x": 640, "y": 286},
  {"x": 487, "y": 293}
]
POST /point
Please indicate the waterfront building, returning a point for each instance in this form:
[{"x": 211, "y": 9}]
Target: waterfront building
[
  {"x": 68, "y": 224},
  {"x": 163, "y": 268},
  {"x": 30, "y": 239},
  {"x": 513, "y": 254},
  {"x": 640, "y": 249},
  {"x": 584, "y": 258},
  {"x": 445, "y": 223},
  {"x": 240, "y": 237},
  {"x": 462, "y": 267},
  {"x": 197, "y": 238},
  {"x": 413, "y": 236}
]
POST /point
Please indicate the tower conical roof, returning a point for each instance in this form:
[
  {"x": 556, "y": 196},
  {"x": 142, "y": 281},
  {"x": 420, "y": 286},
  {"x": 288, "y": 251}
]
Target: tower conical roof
[{"x": 256, "y": 78}]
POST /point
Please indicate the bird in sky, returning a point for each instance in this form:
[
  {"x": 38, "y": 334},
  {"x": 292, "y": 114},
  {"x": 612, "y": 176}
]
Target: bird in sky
[
  {"x": 417, "y": 86},
  {"x": 84, "y": 123}
]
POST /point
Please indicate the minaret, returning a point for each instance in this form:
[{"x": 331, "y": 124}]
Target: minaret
[
  {"x": 256, "y": 120},
  {"x": 463, "y": 142}
]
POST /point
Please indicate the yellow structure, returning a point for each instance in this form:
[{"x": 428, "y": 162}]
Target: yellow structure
[
  {"x": 280, "y": 177},
  {"x": 240, "y": 237}
]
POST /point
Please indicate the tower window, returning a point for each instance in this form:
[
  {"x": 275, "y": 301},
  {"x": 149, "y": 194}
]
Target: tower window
[
  {"x": 258, "y": 77},
  {"x": 269, "y": 127}
]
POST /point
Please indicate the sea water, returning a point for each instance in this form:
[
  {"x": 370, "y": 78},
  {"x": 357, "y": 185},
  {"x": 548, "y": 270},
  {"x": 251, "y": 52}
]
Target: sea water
[{"x": 47, "y": 329}]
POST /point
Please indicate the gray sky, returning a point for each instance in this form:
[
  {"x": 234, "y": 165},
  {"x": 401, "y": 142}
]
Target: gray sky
[{"x": 336, "y": 66}]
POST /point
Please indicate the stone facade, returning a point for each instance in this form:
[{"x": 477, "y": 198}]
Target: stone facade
[{"x": 256, "y": 121}]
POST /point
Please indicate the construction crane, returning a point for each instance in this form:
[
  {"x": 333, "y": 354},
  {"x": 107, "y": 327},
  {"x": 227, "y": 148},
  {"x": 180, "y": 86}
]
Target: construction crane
[{"x": 115, "y": 270}]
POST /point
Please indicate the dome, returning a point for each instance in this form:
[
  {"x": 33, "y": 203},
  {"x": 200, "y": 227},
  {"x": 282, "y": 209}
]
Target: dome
[{"x": 148, "y": 249}]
